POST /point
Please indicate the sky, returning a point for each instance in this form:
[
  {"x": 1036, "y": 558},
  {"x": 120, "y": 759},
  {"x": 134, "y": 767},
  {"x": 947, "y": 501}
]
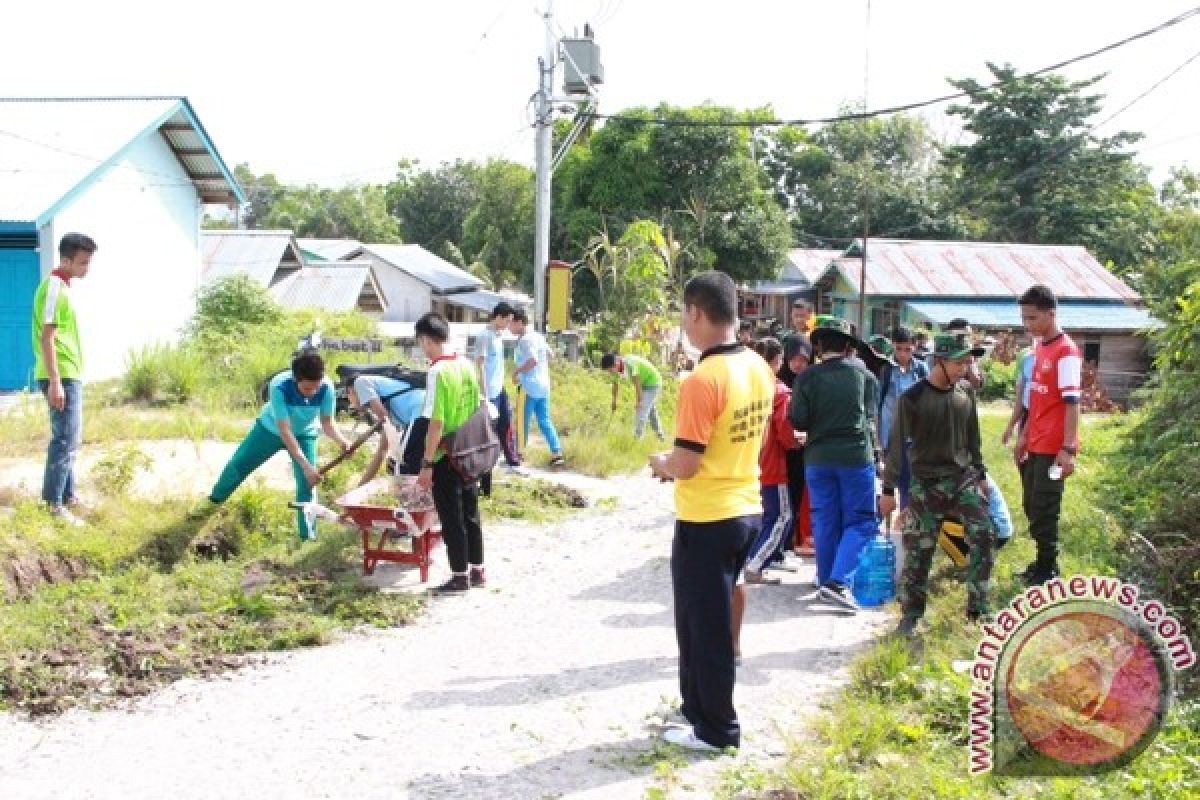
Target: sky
[{"x": 337, "y": 93}]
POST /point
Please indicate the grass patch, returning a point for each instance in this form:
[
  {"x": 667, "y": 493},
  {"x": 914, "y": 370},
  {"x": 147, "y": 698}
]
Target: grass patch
[
  {"x": 905, "y": 714},
  {"x": 596, "y": 441},
  {"x": 109, "y": 418},
  {"x": 151, "y": 608}
]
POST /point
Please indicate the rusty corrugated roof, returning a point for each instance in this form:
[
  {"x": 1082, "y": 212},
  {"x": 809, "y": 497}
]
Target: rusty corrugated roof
[
  {"x": 904, "y": 268},
  {"x": 257, "y": 253},
  {"x": 805, "y": 265}
]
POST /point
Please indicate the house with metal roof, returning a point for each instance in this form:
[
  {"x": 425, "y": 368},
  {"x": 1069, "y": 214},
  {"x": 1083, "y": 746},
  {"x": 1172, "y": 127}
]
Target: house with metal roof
[
  {"x": 332, "y": 286},
  {"x": 267, "y": 257},
  {"x": 134, "y": 174},
  {"x": 315, "y": 250},
  {"x": 926, "y": 284},
  {"x": 415, "y": 281},
  {"x": 798, "y": 278}
]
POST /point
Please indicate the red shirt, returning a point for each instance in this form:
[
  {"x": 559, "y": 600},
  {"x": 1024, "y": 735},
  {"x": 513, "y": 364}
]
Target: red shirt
[
  {"x": 1057, "y": 381},
  {"x": 781, "y": 437}
]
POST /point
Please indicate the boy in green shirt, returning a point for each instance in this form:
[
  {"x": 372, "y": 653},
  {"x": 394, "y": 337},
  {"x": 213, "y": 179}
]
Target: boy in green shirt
[
  {"x": 452, "y": 395},
  {"x": 58, "y": 359},
  {"x": 647, "y": 384}
]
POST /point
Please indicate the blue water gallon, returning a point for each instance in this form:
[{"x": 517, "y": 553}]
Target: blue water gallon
[{"x": 875, "y": 578}]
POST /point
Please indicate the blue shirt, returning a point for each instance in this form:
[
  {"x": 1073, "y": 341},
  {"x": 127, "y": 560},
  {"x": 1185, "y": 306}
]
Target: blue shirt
[
  {"x": 898, "y": 382},
  {"x": 1027, "y": 376},
  {"x": 535, "y": 382},
  {"x": 490, "y": 347},
  {"x": 284, "y": 401},
  {"x": 403, "y": 408}
]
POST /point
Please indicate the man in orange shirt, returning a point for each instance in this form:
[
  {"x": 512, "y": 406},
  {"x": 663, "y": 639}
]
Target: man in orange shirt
[{"x": 723, "y": 410}]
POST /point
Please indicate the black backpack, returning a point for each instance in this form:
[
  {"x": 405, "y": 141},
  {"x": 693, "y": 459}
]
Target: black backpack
[{"x": 473, "y": 449}]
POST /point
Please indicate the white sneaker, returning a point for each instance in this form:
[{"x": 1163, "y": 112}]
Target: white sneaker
[
  {"x": 63, "y": 513},
  {"x": 687, "y": 739},
  {"x": 516, "y": 469}
]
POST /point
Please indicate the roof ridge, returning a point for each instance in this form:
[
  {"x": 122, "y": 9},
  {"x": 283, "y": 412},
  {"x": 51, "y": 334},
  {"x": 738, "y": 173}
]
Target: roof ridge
[
  {"x": 965, "y": 243},
  {"x": 248, "y": 231}
]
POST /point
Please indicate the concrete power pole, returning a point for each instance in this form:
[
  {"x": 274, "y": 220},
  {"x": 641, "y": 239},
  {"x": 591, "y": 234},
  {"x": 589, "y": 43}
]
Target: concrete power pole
[{"x": 544, "y": 153}]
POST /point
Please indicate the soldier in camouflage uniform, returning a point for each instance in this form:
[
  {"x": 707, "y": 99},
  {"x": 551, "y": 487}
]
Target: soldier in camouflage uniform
[{"x": 937, "y": 416}]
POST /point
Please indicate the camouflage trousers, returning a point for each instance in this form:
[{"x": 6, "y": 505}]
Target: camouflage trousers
[{"x": 932, "y": 502}]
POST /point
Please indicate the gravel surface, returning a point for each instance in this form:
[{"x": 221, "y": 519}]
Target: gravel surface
[{"x": 543, "y": 685}]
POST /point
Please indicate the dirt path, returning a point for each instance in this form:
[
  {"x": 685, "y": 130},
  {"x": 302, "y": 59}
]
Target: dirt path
[{"x": 537, "y": 687}]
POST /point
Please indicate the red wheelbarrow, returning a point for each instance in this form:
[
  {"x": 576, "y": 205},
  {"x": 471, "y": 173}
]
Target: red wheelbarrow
[{"x": 406, "y": 533}]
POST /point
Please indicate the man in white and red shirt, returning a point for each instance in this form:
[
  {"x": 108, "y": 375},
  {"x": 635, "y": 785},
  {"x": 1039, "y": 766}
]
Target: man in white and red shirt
[{"x": 1049, "y": 443}]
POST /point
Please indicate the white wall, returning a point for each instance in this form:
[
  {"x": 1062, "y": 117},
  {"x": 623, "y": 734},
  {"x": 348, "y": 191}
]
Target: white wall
[
  {"x": 145, "y": 216},
  {"x": 407, "y": 297}
]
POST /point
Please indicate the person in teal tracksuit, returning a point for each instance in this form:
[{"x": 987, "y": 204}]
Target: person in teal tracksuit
[{"x": 300, "y": 405}]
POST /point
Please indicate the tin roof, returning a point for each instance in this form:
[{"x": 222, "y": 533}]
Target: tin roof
[
  {"x": 328, "y": 249},
  {"x": 1072, "y": 315},
  {"x": 259, "y": 254},
  {"x": 51, "y": 148},
  {"x": 903, "y": 268},
  {"x": 804, "y": 265},
  {"x": 412, "y": 259},
  {"x": 478, "y": 300},
  {"x": 334, "y": 286}
]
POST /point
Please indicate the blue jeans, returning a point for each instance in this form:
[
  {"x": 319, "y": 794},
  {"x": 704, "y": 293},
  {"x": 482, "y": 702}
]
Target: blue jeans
[
  {"x": 843, "y": 517},
  {"x": 540, "y": 407},
  {"x": 66, "y": 434}
]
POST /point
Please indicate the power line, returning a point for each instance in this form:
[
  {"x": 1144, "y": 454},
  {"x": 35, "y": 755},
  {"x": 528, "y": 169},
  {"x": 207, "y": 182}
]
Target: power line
[{"x": 861, "y": 115}]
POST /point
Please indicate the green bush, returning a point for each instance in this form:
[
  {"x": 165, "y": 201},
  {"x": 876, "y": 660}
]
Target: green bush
[
  {"x": 114, "y": 473},
  {"x": 999, "y": 380},
  {"x": 232, "y": 304},
  {"x": 144, "y": 373}
]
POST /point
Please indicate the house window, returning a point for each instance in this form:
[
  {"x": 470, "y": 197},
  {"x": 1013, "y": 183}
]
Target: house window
[
  {"x": 884, "y": 319},
  {"x": 1091, "y": 352}
]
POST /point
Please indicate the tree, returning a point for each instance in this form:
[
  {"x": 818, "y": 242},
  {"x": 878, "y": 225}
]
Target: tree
[
  {"x": 432, "y": 206},
  {"x": 498, "y": 231},
  {"x": 352, "y": 212},
  {"x": 1037, "y": 173},
  {"x": 821, "y": 179},
  {"x": 262, "y": 192},
  {"x": 695, "y": 174}
]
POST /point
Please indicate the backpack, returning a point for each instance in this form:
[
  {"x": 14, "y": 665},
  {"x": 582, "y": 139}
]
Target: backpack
[{"x": 473, "y": 449}]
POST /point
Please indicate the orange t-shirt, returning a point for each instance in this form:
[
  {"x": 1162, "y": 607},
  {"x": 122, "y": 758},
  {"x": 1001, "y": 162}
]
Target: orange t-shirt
[{"x": 724, "y": 406}]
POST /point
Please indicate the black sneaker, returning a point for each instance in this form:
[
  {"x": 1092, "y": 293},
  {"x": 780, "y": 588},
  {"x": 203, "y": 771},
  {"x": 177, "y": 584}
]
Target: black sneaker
[
  {"x": 907, "y": 628},
  {"x": 1036, "y": 576},
  {"x": 839, "y": 595},
  {"x": 557, "y": 461},
  {"x": 458, "y": 584},
  {"x": 478, "y": 578}
]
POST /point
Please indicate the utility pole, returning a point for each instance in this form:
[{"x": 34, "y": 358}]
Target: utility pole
[{"x": 544, "y": 146}]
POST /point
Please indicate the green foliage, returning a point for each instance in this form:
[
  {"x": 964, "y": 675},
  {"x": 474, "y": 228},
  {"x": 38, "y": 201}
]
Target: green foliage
[
  {"x": 114, "y": 473},
  {"x": 999, "y": 379},
  {"x": 1036, "y": 173},
  {"x": 821, "y": 180},
  {"x": 231, "y": 304},
  {"x": 351, "y": 212},
  {"x": 1152, "y": 481}
]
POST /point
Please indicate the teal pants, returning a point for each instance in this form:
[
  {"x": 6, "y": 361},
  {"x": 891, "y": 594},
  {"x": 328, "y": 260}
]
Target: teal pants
[{"x": 258, "y": 446}]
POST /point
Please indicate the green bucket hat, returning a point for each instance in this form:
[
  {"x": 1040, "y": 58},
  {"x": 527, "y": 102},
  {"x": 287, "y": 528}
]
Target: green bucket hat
[
  {"x": 881, "y": 345},
  {"x": 954, "y": 346},
  {"x": 832, "y": 324}
]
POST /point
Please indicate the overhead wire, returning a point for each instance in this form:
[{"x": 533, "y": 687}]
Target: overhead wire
[{"x": 878, "y": 112}]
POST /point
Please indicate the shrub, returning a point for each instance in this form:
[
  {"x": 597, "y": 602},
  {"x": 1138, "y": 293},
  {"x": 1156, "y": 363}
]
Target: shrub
[
  {"x": 114, "y": 473},
  {"x": 999, "y": 380},
  {"x": 144, "y": 372},
  {"x": 232, "y": 304}
]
